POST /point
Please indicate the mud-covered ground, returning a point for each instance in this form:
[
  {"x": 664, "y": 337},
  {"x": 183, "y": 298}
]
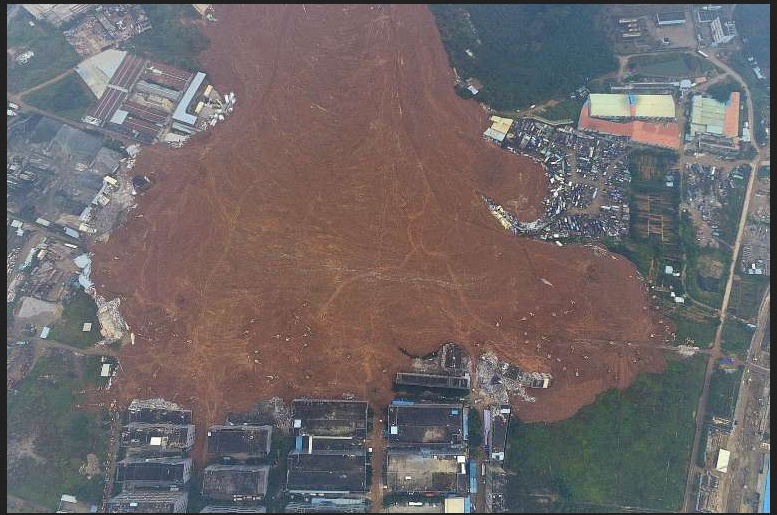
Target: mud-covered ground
[{"x": 335, "y": 217}]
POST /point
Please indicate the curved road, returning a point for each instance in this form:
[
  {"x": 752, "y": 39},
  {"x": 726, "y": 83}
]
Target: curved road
[{"x": 715, "y": 352}]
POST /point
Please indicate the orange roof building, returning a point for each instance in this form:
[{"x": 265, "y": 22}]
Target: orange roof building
[{"x": 658, "y": 134}]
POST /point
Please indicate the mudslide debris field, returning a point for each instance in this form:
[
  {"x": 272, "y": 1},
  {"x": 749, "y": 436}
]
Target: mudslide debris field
[{"x": 336, "y": 217}]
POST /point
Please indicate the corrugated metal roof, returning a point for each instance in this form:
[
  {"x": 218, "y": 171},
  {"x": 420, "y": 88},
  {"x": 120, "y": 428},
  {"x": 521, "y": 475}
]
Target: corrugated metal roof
[
  {"x": 180, "y": 113},
  {"x": 611, "y": 105},
  {"x": 605, "y": 105},
  {"x": 496, "y": 135}
]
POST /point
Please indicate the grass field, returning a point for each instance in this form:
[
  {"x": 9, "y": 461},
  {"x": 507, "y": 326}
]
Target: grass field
[
  {"x": 629, "y": 448},
  {"x": 78, "y": 310},
  {"x": 48, "y": 437},
  {"x": 736, "y": 338},
  {"x": 568, "y": 109},
  {"x": 68, "y": 97},
  {"x": 746, "y": 295},
  {"x": 724, "y": 389},
  {"x": 696, "y": 327},
  {"x": 53, "y": 54},
  {"x": 669, "y": 65}
]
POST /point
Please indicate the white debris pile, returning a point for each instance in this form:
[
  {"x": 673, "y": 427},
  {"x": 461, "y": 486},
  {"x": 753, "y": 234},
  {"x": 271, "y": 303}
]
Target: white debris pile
[
  {"x": 112, "y": 325},
  {"x": 497, "y": 385}
]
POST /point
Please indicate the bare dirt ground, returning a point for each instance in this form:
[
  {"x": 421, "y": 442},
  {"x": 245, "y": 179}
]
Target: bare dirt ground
[{"x": 336, "y": 217}]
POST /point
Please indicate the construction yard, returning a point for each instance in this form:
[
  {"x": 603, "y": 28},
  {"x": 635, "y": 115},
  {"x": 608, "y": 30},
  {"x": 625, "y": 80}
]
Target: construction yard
[{"x": 266, "y": 262}]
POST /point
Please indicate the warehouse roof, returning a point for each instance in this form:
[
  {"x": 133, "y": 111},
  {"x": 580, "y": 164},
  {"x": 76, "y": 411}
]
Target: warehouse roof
[
  {"x": 98, "y": 70},
  {"x": 610, "y": 105},
  {"x": 714, "y": 117},
  {"x": 180, "y": 113}
]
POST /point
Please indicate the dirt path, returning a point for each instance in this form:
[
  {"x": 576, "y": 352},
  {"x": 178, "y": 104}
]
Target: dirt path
[
  {"x": 47, "y": 83},
  {"x": 336, "y": 217}
]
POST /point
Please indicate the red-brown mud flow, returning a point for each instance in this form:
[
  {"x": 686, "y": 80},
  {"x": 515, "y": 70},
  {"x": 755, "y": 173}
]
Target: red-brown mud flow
[{"x": 339, "y": 208}]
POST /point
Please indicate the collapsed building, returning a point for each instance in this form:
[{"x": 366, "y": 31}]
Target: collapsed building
[
  {"x": 445, "y": 372},
  {"x": 158, "y": 411},
  {"x": 498, "y": 380}
]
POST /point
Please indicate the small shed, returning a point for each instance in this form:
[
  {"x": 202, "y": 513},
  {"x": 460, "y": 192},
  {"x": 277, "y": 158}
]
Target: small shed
[
  {"x": 87, "y": 327},
  {"x": 105, "y": 371},
  {"x": 44, "y": 333}
]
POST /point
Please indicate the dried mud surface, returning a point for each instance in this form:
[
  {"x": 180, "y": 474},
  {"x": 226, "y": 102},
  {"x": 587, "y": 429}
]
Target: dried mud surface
[{"x": 339, "y": 208}]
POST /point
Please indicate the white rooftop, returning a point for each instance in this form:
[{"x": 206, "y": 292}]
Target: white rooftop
[{"x": 98, "y": 70}]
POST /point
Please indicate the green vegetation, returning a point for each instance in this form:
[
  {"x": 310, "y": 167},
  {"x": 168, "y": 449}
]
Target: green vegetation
[
  {"x": 759, "y": 92},
  {"x": 519, "y": 56},
  {"x": 701, "y": 330},
  {"x": 48, "y": 438},
  {"x": 53, "y": 54},
  {"x": 736, "y": 338},
  {"x": 568, "y": 109},
  {"x": 753, "y": 22},
  {"x": 724, "y": 388},
  {"x": 746, "y": 295},
  {"x": 474, "y": 429},
  {"x": 721, "y": 91},
  {"x": 693, "y": 254},
  {"x": 79, "y": 310},
  {"x": 629, "y": 448},
  {"x": 669, "y": 65},
  {"x": 731, "y": 211},
  {"x": 68, "y": 97},
  {"x": 173, "y": 38}
]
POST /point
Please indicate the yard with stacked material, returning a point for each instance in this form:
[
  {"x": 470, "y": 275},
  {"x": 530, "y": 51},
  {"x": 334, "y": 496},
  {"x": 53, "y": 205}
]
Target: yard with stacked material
[
  {"x": 48, "y": 437},
  {"x": 297, "y": 247},
  {"x": 629, "y": 448}
]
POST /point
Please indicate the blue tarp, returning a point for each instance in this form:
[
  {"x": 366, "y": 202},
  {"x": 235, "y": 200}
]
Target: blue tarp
[
  {"x": 467, "y": 505},
  {"x": 473, "y": 477},
  {"x": 400, "y": 402},
  {"x": 765, "y": 502},
  {"x": 298, "y": 443}
]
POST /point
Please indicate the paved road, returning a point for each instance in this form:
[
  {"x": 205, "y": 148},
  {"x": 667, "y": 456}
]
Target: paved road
[
  {"x": 737, "y": 441},
  {"x": 715, "y": 354}
]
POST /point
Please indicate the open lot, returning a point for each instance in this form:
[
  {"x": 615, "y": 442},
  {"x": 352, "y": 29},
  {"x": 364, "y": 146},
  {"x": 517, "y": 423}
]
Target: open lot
[
  {"x": 736, "y": 338},
  {"x": 267, "y": 263},
  {"x": 53, "y": 54},
  {"x": 68, "y": 97},
  {"x": 49, "y": 438}
]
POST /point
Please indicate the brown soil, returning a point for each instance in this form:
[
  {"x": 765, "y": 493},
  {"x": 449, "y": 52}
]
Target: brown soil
[{"x": 341, "y": 201}]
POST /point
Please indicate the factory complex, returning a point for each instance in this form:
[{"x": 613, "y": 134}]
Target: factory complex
[
  {"x": 149, "y": 101},
  {"x": 645, "y": 119}
]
